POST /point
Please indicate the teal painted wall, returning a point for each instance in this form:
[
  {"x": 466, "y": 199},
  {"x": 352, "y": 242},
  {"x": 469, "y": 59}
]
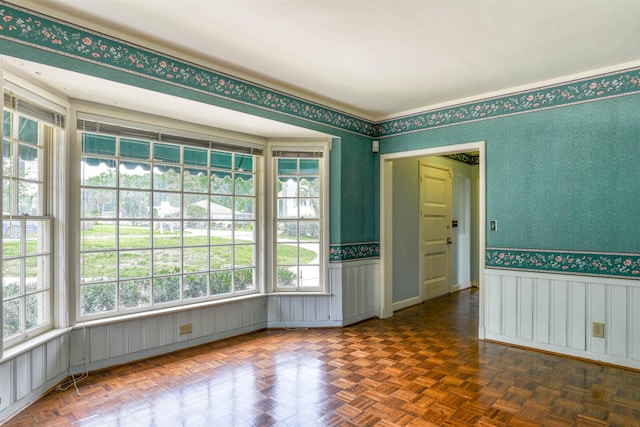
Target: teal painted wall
[{"x": 564, "y": 178}]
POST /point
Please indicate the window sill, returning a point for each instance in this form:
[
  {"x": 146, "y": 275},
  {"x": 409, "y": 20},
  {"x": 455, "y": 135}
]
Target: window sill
[
  {"x": 31, "y": 343},
  {"x": 301, "y": 294},
  {"x": 80, "y": 324}
]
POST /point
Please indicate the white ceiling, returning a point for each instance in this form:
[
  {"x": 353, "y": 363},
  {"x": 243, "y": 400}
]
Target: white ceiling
[{"x": 375, "y": 58}]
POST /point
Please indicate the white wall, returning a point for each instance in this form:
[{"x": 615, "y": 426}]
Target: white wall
[{"x": 555, "y": 313}]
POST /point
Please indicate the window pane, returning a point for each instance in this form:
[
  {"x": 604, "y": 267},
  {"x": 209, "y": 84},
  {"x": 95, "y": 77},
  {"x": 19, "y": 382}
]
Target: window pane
[
  {"x": 97, "y": 298},
  {"x": 309, "y": 230},
  {"x": 220, "y": 282},
  {"x": 166, "y": 205},
  {"x": 244, "y": 208},
  {"x": 37, "y": 310},
  {"x": 309, "y": 208},
  {"x": 97, "y": 172},
  {"x": 221, "y": 232},
  {"x": 7, "y": 198},
  {"x": 287, "y": 253},
  {"x": 309, "y": 276},
  {"x": 28, "y": 130},
  {"x": 244, "y": 255},
  {"x": 37, "y": 269},
  {"x": 135, "y": 149},
  {"x": 196, "y": 180},
  {"x": 195, "y": 233},
  {"x": 196, "y": 259},
  {"x": 167, "y": 261},
  {"x": 221, "y": 257},
  {"x": 134, "y": 264},
  {"x": 195, "y": 156},
  {"x": 135, "y": 204},
  {"x": 244, "y": 232},
  {"x": 197, "y": 205},
  {"x": 135, "y": 175},
  {"x": 195, "y": 286},
  {"x": 287, "y": 208},
  {"x": 134, "y": 234},
  {"x": 98, "y": 235},
  {"x": 166, "y": 289},
  {"x": 244, "y": 163},
  {"x": 166, "y": 233},
  {"x": 135, "y": 293},
  {"x": 29, "y": 198},
  {"x": 98, "y": 266},
  {"x": 29, "y": 163},
  {"x": 287, "y": 277},
  {"x": 287, "y": 187},
  {"x": 309, "y": 187},
  {"x": 221, "y": 183},
  {"x": 287, "y": 231},
  {"x": 244, "y": 185},
  {"x": 221, "y": 207},
  {"x": 11, "y": 278},
  {"x": 11, "y": 314},
  {"x": 36, "y": 237},
  {"x": 7, "y": 165},
  {"x": 98, "y": 203},
  {"x": 6, "y": 123},
  {"x": 98, "y": 144},
  {"x": 167, "y": 178},
  {"x": 166, "y": 153},
  {"x": 243, "y": 279},
  {"x": 309, "y": 167},
  {"x": 287, "y": 166},
  {"x": 220, "y": 160},
  {"x": 10, "y": 241}
]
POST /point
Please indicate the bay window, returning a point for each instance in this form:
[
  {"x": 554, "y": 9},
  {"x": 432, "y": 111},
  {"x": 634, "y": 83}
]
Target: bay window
[{"x": 165, "y": 220}]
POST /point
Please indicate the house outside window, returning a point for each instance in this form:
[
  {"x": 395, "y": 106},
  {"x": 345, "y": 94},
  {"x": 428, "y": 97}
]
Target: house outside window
[{"x": 164, "y": 224}]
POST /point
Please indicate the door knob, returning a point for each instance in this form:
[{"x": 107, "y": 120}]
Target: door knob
[{"x": 449, "y": 241}]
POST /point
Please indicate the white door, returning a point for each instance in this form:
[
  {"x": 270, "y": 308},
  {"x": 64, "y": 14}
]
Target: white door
[{"x": 435, "y": 229}]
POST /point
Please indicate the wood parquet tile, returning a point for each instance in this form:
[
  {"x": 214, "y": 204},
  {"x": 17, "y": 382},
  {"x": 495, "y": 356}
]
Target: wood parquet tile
[{"x": 423, "y": 367}]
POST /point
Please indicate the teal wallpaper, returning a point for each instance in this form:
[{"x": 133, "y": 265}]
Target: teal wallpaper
[{"x": 560, "y": 177}]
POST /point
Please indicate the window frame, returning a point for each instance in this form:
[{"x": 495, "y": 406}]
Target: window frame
[
  {"x": 173, "y": 135},
  {"x": 316, "y": 149},
  {"x": 48, "y": 112}
]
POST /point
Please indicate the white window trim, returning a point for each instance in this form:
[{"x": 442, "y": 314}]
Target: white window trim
[
  {"x": 56, "y": 188},
  {"x": 308, "y": 146}
]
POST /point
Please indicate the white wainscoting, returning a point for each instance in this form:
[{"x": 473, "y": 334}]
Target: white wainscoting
[
  {"x": 360, "y": 284},
  {"x": 352, "y": 297},
  {"x": 28, "y": 374},
  {"x": 113, "y": 343},
  {"x": 555, "y": 312}
]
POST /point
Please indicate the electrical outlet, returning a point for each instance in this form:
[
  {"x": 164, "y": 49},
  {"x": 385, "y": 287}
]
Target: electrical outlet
[
  {"x": 597, "y": 330},
  {"x": 186, "y": 328}
]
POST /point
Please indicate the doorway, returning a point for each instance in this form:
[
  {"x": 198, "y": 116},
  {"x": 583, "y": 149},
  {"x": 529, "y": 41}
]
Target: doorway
[{"x": 388, "y": 208}]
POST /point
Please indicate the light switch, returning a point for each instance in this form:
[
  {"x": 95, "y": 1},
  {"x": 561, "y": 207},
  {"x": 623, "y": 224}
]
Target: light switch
[{"x": 493, "y": 225}]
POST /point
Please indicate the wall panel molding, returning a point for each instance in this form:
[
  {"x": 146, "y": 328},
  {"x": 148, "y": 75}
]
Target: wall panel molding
[{"x": 555, "y": 313}]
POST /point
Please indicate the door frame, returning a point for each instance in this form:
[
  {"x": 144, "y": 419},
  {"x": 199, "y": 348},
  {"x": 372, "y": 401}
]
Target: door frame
[
  {"x": 386, "y": 222},
  {"x": 422, "y": 272}
]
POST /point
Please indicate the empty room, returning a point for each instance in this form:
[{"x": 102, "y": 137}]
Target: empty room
[{"x": 310, "y": 213}]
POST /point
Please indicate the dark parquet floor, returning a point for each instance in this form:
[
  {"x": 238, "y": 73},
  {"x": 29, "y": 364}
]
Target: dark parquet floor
[{"x": 423, "y": 367}]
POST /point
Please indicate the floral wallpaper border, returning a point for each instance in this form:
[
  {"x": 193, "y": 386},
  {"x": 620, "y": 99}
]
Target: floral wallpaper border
[
  {"x": 29, "y": 28},
  {"x": 620, "y": 265},
  {"x": 32, "y": 29},
  {"x": 591, "y": 89},
  {"x": 351, "y": 251},
  {"x": 464, "y": 158}
]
